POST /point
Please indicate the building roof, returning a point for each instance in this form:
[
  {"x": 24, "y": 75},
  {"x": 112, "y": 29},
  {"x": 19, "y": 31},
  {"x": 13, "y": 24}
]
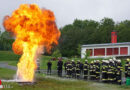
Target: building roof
[{"x": 106, "y": 44}]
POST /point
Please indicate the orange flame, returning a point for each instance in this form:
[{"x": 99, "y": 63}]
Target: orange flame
[{"x": 34, "y": 29}]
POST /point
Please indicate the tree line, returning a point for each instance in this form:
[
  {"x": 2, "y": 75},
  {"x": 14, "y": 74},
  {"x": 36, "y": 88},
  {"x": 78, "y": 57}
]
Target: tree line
[
  {"x": 91, "y": 32},
  {"x": 81, "y": 32}
]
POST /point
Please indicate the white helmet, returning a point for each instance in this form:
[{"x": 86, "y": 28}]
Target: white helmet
[
  {"x": 119, "y": 60},
  {"x": 86, "y": 60},
  {"x": 114, "y": 58},
  {"x": 94, "y": 61},
  {"x": 113, "y": 62},
  {"x": 110, "y": 60},
  {"x": 107, "y": 61},
  {"x": 127, "y": 59}
]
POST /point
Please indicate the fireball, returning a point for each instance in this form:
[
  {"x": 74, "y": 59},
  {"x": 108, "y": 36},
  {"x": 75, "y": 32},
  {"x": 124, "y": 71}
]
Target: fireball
[{"x": 34, "y": 29}]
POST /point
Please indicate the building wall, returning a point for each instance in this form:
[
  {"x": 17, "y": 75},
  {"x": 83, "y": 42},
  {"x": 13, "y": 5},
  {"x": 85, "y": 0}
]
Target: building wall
[
  {"x": 100, "y": 51},
  {"x": 83, "y": 50},
  {"x": 128, "y": 50}
]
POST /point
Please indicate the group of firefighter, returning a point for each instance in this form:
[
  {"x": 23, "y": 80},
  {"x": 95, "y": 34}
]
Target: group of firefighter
[{"x": 106, "y": 70}]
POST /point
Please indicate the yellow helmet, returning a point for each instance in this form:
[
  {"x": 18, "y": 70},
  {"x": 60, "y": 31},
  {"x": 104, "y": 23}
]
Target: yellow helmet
[{"x": 91, "y": 61}]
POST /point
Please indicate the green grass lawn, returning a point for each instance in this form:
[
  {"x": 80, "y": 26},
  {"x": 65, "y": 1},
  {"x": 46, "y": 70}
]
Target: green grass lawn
[
  {"x": 54, "y": 83},
  {"x": 8, "y": 56},
  {"x": 6, "y": 73},
  {"x": 50, "y": 83}
]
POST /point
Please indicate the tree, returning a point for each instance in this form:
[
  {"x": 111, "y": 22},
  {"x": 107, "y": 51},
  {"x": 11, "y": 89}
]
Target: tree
[
  {"x": 105, "y": 29},
  {"x": 56, "y": 54},
  {"x": 123, "y": 31},
  {"x": 6, "y": 41},
  {"x": 73, "y": 35},
  {"x": 79, "y": 50}
]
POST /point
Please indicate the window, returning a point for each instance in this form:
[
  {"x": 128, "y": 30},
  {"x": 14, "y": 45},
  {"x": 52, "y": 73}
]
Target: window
[
  {"x": 112, "y": 51},
  {"x": 124, "y": 51},
  {"x": 99, "y": 52}
]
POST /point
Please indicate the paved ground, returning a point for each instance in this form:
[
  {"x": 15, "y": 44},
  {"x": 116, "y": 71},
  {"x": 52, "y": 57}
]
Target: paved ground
[{"x": 5, "y": 65}]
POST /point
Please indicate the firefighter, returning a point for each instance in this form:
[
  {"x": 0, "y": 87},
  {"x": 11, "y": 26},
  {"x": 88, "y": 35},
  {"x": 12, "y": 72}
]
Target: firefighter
[
  {"x": 119, "y": 72},
  {"x": 81, "y": 67},
  {"x": 78, "y": 69},
  {"x": 65, "y": 66},
  {"x": 97, "y": 70},
  {"x": 115, "y": 61},
  {"x": 111, "y": 71},
  {"x": 91, "y": 70},
  {"x": 86, "y": 67},
  {"x": 59, "y": 67},
  {"x": 73, "y": 69},
  {"x": 104, "y": 70},
  {"x": 126, "y": 68},
  {"x": 69, "y": 69},
  {"x": 49, "y": 64},
  {"x": 94, "y": 70},
  {"x": 116, "y": 69}
]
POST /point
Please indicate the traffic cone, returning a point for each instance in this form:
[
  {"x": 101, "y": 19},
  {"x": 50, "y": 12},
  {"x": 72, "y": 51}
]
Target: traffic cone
[{"x": 1, "y": 86}]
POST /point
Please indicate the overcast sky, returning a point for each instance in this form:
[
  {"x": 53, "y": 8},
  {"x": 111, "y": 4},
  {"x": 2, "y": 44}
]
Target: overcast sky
[{"x": 68, "y": 10}]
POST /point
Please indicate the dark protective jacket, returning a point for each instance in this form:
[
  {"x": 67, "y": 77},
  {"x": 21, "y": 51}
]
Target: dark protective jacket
[
  {"x": 126, "y": 67},
  {"x": 86, "y": 66},
  {"x": 49, "y": 64},
  {"x": 128, "y": 71},
  {"x": 59, "y": 65}
]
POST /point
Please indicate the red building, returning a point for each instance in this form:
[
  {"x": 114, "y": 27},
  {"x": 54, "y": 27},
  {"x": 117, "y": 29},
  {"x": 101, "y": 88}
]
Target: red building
[{"x": 107, "y": 49}]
